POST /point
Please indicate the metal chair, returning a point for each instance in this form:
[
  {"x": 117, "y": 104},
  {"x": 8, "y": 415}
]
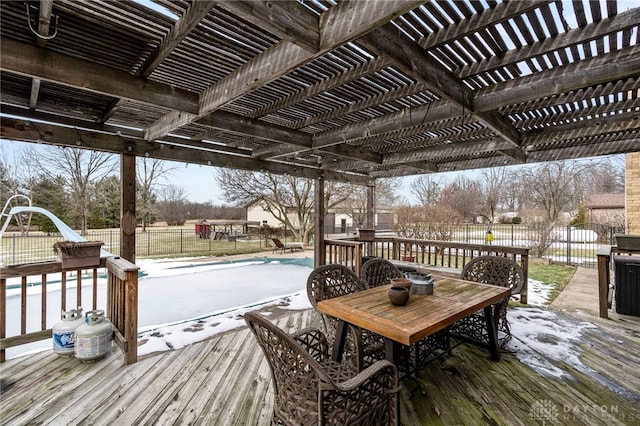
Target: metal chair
[
  {"x": 310, "y": 388},
  {"x": 494, "y": 270},
  {"x": 362, "y": 347},
  {"x": 376, "y": 272}
]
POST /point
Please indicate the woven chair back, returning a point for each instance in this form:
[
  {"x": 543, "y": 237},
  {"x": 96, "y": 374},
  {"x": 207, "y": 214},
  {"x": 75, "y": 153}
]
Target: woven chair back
[
  {"x": 377, "y": 272},
  {"x": 329, "y": 281},
  {"x": 293, "y": 370},
  {"x": 495, "y": 270}
]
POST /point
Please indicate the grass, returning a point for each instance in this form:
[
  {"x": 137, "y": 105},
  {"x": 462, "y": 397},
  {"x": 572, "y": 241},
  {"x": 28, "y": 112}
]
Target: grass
[{"x": 557, "y": 276}]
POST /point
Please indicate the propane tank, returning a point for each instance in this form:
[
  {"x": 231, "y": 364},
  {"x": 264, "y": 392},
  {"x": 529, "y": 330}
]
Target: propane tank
[
  {"x": 93, "y": 339},
  {"x": 63, "y": 333}
]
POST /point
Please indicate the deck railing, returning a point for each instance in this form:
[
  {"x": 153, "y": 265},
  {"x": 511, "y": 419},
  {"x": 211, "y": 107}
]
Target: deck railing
[
  {"x": 120, "y": 299},
  {"x": 345, "y": 252},
  {"x": 440, "y": 257}
]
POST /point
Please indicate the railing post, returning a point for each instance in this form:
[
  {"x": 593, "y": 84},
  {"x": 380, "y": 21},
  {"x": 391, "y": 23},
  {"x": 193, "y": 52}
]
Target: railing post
[{"x": 604, "y": 277}]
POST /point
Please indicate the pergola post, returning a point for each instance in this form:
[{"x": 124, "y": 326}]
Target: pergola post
[
  {"x": 128, "y": 207},
  {"x": 318, "y": 249},
  {"x": 371, "y": 212}
]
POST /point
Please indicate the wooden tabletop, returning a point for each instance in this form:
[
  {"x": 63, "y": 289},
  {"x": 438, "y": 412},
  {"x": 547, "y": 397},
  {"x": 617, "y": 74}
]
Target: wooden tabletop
[{"x": 423, "y": 315}]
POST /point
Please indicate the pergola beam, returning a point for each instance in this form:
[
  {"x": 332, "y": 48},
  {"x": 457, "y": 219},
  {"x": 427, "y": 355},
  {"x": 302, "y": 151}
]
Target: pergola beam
[
  {"x": 26, "y": 59},
  {"x": 27, "y": 131}
]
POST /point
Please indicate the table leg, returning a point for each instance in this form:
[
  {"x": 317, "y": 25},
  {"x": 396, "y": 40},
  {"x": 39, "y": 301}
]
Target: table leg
[
  {"x": 493, "y": 333},
  {"x": 338, "y": 344},
  {"x": 390, "y": 350}
]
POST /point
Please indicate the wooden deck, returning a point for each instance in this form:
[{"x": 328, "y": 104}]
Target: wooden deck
[{"x": 225, "y": 381}]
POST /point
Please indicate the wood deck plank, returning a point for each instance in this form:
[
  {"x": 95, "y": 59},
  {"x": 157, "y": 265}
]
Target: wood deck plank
[
  {"x": 109, "y": 385},
  {"x": 148, "y": 409},
  {"x": 226, "y": 381},
  {"x": 51, "y": 394},
  {"x": 151, "y": 385}
]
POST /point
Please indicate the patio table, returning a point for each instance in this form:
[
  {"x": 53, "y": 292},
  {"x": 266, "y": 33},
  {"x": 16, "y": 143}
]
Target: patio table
[{"x": 423, "y": 315}]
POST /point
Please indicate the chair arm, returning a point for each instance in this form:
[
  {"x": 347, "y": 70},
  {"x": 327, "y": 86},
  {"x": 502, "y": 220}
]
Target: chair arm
[
  {"x": 313, "y": 341},
  {"x": 381, "y": 371}
]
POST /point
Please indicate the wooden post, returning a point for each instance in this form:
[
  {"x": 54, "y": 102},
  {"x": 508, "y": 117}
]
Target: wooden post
[
  {"x": 371, "y": 209},
  {"x": 524, "y": 294},
  {"x": 371, "y": 219},
  {"x": 128, "y": 207},
  {"x": 604, "y": 259},
  {"x": 319, "y": 250}
]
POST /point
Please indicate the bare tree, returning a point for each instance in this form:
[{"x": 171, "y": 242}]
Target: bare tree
[
  {"x": 464, "y": 195},
  {"x": 172, "y": 204},
  {"x": 426, "y": 189},
  {"x": 281, "y": 196},
  {"x": 553, "y": 187},
  {"x": 513, "y": 198},
  {"x": 149, "y": 173},
  {"x": 432, "y": 222},
  {"x": 493, "y": 190},
  {"x": 355, "y": 199},
  {"x": 80, "y": 169},
  {"x": 607, "y": 175},
  {"x": 284, "y": 197},
  {"x": 9, "y": 182}
]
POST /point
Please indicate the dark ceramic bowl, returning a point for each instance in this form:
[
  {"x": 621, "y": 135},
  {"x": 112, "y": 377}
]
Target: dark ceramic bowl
[
  {"x": 399, "y": 295},
  {"x": 401, "y": 282}
]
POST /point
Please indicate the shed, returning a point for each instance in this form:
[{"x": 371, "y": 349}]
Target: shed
[{"x": 203, "y": 229}]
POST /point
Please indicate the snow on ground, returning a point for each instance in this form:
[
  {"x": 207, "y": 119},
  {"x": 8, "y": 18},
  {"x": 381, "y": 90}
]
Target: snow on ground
[{"x": 539, "y": 335}]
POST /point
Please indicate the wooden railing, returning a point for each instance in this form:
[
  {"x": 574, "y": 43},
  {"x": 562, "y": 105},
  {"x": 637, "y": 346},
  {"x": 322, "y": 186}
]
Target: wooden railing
[
  {"x": 121, "y": 301},
  {"x": 345, "y": 252},
  {"x": 439, "y": 257},
  {"x": 605, "y": 254}
]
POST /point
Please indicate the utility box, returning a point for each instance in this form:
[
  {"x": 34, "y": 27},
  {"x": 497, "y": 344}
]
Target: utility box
[{"x": 627, "y": 282}]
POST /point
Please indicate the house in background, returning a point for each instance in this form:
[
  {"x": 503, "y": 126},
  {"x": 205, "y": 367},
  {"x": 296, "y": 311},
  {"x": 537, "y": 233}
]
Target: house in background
[
  {"x": 256, "y": 212},
  {"x": 337, "y": 221},
  {"x": 605, "y": 208}
]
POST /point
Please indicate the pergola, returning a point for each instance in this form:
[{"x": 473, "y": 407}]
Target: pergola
[{"x": 348, "y": 90}]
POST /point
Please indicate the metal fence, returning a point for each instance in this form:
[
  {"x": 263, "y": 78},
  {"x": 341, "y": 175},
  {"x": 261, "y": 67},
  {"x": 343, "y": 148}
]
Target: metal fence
[
  {"x": 38, "y": 247},
  {"x": 563, "y": 244}
]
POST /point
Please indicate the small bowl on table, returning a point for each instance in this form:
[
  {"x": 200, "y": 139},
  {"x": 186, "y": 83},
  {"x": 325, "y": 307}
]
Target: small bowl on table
[
  {"x": 399, "y": 295},
  {"x": 401, "y": 282}
]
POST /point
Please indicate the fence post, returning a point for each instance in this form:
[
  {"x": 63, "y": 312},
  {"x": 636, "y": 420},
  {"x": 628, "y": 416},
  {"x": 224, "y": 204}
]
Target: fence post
[
  {"x": 568, "y": 238},
  {"x": 512, "y": 234},
  {"x": 612, "y": 231}
]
